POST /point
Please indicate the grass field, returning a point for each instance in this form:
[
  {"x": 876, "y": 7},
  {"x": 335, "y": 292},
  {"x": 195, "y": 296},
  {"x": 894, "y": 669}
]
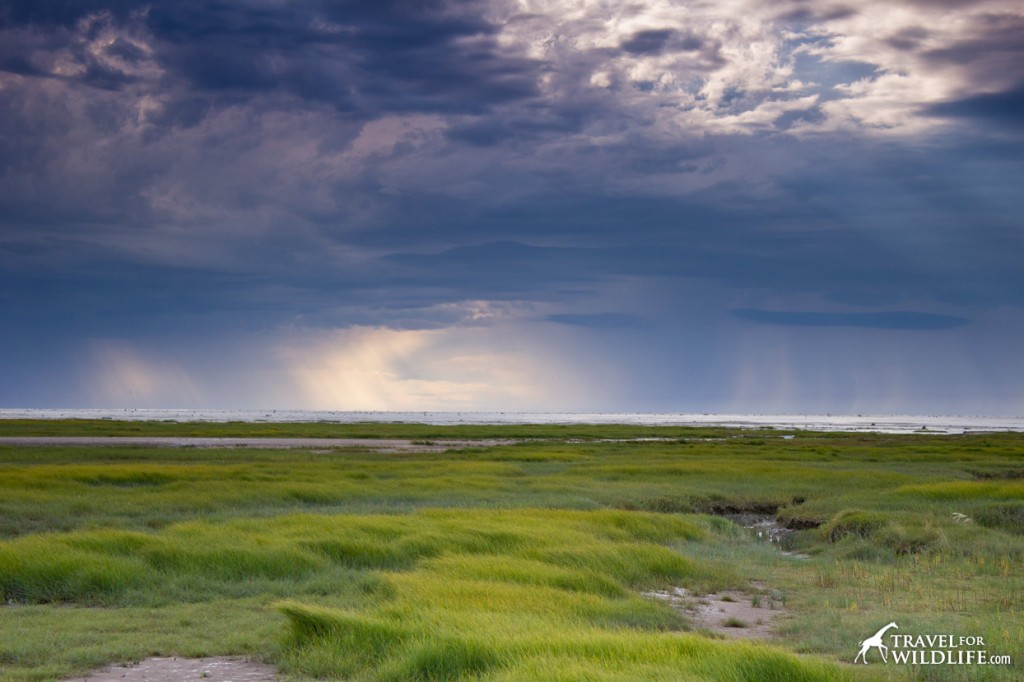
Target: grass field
[{"x": 525, "y": 561}]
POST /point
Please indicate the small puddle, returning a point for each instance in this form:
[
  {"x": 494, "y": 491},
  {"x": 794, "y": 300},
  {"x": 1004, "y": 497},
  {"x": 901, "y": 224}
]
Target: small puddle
[{"x": 768, "y": 529}]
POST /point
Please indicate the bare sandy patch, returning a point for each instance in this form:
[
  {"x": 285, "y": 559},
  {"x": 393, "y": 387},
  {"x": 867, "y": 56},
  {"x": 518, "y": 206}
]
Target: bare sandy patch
[
  {"x": 213, "y": 669},
  {"x": 729, "y": 613}
]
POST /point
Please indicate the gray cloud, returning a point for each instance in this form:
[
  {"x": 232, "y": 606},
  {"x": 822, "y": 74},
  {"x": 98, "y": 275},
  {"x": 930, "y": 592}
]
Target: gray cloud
[
  {"x": 178, "y": 169},
  {"x": 657, "y": 41},
  {"x": 599, "y": 320},
  {"x": 903, "y": 319},
  {"x": 364, "y": 59},
  {"x": 1002, "y": 108}
]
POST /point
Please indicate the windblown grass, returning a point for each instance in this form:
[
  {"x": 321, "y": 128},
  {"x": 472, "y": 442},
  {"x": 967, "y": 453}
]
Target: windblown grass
[
  {"x": 561, "y": 597},
  {"x": 606, "y": 551},
  {"x": 517, "y": 562},
  {"x": 340, "y": 645}
]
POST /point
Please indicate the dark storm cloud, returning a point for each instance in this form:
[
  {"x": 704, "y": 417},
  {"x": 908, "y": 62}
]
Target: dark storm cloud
[
  {"x": 366, "y": 56},
  {"x": 780, "y": 262},
  {"x": 647, "y": 42},
  {"x": 904, "y": 320},
  {"x": 656, "y": 41},
  {"x": 909, "y": 39},
  {"x": 543, "y": 122},
  {"x": 1001, "y": 108},
  {"x": 803, "y": 14},
  {"x": 62, "y": 12},
  {"x": 497, "y": 269},
  {"x": 600, "y": 320},
  {"x": 32, "y": 54},
  {"x": 199, "y": 60},
  {"x": 60, "y": 288},
  {"x": 168, "y": 169}
]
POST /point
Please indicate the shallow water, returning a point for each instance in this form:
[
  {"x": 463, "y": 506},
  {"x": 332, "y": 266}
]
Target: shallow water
[
  {"x": 810, "y": 422},
  {"x": 768, "y": 529}
]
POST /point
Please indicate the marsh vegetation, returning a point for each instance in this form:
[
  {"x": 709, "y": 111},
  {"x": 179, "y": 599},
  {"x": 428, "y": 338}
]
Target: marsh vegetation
[{"x": 525, "y": 561}]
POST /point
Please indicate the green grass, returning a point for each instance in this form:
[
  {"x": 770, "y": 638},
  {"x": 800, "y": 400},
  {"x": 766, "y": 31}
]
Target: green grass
[{"x": 518, "y": 562}]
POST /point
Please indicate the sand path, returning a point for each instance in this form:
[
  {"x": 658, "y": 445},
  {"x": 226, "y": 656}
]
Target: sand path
[{"x": 215, "y": 669}]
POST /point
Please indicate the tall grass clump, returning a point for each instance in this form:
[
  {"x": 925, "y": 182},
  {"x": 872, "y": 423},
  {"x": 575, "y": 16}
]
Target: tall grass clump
[
  {"x": 339, "y": 644},
  {"x": 1007, "y": 516},
  {"x": 854, "y": 523},
  {"x": 507, "y": 593},
  {"x": 872, "y": 534},
  {"x": 334, "y": 643},
  {"x": 39, "y": 571},
  {"x": 596, "y": 552}
]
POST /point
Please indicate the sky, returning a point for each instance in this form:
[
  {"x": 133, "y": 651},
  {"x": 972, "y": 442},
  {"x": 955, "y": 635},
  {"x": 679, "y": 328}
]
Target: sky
[{"x": 544, "y": 205}]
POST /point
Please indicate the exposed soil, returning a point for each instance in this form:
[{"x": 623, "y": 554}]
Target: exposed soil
[
  {"x": 728, "y": 613},
  {"x": 215, "y": 669}
]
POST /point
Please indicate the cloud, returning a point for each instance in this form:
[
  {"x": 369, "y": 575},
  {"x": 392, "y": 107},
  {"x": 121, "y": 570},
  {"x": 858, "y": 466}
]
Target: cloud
[
  {"x": 923, "y": 54},
  {"x": 1001, "y": 108},
  {"x": 905, "y": 320},
  {"x": 119, "y": 375},
  {"x": 481, "y": 361},
  {"x": 453, "y": 368},
  {"x": 428, "y": 172},
  {"x": 179, "y": 110},
  {"x": 598, "y": 320},
  {"x": 363, "y": 59}
]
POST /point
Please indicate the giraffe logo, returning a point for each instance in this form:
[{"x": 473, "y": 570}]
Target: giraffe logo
[{"x": 875, "y": 641}]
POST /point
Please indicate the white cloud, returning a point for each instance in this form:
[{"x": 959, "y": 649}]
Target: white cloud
[
  {"x": 376, "y": 368},
  {"x": 912, "y": 47},
  {"x": 712, "y": 66},
  {"x": 494, "y": 359},
  {"x": 380, "y": 137}
]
